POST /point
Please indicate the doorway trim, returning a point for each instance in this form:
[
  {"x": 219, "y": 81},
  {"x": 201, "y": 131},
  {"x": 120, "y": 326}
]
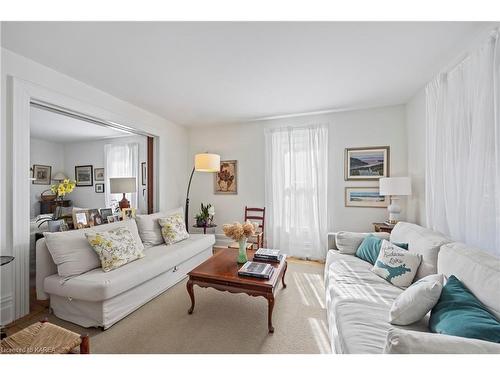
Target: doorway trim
[{"x": 23, "y": 94}]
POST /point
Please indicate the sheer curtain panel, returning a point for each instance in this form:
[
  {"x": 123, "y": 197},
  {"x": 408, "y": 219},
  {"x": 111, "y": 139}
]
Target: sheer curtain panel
[
  {"x": 296, "y": 190},
  {"x": 121, "y": 160},
  {"x": 463, "y": 150}
]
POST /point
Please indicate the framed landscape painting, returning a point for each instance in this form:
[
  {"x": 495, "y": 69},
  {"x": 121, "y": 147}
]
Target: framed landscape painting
[
  {"x": 84, "y": 175},
  {"x": 365, "y": 197},
  {"x": 366, "y": 163},
  {"x": 42, "y": 174},
  {"x": 226, "y": 180}
]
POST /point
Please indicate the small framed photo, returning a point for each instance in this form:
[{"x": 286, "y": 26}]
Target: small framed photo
[
  {"x": 84, "y": 175},
  {"x": 99, "y": 188},
  {"x": 366, "y": 163},
  {"x": 365, "y": 197},
  {"x": 105, "y": 213},
  {"x": 112, "y": 218},
  {"x": 42, "y": 174},
  {"x": 144, "y": 173},
  {"x": 99, "y": 174},
  {"x": 81, "y": 219},
  {"x": 128, "y": 213},
  {"x": 95, "y": 217}
]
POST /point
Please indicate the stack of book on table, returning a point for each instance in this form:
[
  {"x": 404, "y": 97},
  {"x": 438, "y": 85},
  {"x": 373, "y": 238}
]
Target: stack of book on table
[
  {"x": 255, "y": 269},
  {"x": 268, "y": 255}
]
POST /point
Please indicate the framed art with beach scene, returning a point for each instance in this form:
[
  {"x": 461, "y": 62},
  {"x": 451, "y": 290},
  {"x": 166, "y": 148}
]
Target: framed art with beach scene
[
  {"x": 365, "y": 197},
  {"x": 366, "y": 163}
]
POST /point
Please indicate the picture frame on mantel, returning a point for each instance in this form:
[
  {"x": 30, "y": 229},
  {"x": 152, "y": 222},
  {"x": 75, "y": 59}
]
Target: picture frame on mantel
[
  {"x": 226, "y": 180},
  {"x": 366, "y": 163}
]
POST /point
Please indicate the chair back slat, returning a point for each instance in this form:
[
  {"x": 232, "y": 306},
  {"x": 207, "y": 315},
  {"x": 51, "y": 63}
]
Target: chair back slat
[{"x": 258, "y": 214}]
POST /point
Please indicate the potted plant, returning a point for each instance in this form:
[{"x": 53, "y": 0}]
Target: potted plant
[
  {"x": 206, "y": 213},
  {"x": 240, "y": 233}
]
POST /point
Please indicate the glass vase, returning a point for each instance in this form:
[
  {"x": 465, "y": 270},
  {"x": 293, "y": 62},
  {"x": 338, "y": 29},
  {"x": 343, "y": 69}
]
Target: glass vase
[{"x": 242, "y": 252}]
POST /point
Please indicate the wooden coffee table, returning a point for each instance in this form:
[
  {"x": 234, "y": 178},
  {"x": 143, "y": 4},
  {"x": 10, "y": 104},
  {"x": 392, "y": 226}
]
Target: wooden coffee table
[{"x": 220, "y": 272}]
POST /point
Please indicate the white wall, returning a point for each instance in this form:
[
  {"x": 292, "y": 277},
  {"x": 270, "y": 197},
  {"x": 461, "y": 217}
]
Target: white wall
[
  {"x": 45, "y": 153},
  {"x": 92, "y": 153},
  {"x": 415, "y": 123},
  {"x": 245, "y": 143},
  {"x": 173, "y": 145}
]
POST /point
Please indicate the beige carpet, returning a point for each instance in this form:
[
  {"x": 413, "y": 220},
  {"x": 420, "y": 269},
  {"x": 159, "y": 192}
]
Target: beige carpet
[{"x": 223, "y": 322}]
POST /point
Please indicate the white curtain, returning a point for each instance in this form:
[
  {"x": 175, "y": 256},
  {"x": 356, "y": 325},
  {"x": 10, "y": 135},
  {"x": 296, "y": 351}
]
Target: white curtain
[
  {"x": 121, "y": 160},
  {"x": 296, "y": 190},
  {"x": 463, "y": 150}
]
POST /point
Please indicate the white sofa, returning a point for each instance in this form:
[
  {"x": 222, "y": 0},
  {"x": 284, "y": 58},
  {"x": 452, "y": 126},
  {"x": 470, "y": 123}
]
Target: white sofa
[
  {"x": 100, "y": 299},
  {"x": 358, "y": 301}
]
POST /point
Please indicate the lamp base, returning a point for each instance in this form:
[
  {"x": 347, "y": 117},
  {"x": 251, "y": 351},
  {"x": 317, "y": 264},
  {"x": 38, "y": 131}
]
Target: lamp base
[
  {"x": 124, "y": 203},
  {"x": 394, "y": 211}
]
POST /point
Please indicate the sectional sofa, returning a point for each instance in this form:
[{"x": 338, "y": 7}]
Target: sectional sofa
[
  {"x": 358, "y": 301},
  {"x": 100, "y": 299}
]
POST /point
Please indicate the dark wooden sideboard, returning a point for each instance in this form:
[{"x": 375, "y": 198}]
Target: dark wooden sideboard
[{"x": 48, "y": 207}]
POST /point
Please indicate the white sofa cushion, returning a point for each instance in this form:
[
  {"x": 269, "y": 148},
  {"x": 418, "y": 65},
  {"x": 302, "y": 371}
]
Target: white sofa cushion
[
  {"x": 358, "y": 304},
  {"x": 97, "y": 285},
  {"x": 396, "y": 265},
  {"x": 402, "y": 341},
  {"x": 348, "y": 242},
  {"x": 476, "y": 269},
  {"x": 416, "y": 301},
  {"x": 421, "y": 241},
  {"x": 71, "y": 251},
  {"x": 149, "y": 228}
]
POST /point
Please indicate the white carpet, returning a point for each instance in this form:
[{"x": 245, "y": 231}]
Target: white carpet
[{"x": 223, "y": 322}]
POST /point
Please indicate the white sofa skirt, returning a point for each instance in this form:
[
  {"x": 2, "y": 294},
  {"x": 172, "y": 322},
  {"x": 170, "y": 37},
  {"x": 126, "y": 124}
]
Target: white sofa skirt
[{"x": 108, "y": 312}]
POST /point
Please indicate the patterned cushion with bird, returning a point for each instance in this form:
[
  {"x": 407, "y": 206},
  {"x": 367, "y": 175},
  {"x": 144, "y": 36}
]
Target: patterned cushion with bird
[{"x": 396, "y": 265}]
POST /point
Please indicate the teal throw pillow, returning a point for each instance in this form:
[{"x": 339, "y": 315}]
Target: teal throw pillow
[
  {"x": 370, "y": 248},
  {"x": 459, "y": 313}
]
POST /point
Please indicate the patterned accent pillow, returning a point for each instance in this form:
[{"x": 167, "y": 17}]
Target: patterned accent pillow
[
  {"x": 173, "y": 228},
  {"x": 115, "y": 247},
  {"x": 396, "y": 265}
]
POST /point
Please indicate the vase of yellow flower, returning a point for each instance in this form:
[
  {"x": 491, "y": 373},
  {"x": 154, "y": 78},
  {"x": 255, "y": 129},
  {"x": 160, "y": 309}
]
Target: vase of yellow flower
[
  {"x": 240, "y": 233},
  {"x": 63, "y": 188}
]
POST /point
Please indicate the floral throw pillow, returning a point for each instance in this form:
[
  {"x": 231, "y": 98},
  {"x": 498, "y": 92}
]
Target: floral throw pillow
[
  {"x": 115, "y": 247},
  {"x": 396, "y": 265},
  {"x": 173, "y": 228}
]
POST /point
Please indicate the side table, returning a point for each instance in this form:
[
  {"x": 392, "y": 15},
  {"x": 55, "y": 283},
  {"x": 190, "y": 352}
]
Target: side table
[
  {"x": 383, "y": 227},
  {"x": 205, "y": 227}
]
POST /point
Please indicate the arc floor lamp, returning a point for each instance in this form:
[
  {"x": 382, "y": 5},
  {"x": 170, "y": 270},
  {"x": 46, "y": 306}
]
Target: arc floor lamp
[{"x": 202, "y": 163}]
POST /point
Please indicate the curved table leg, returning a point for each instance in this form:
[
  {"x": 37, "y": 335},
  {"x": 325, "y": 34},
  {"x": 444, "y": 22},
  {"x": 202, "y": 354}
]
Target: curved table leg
[
  {"x": 284, "y": 273},
  {"x": 270, "y": 307},
  {"x": 189, "y": 287}
]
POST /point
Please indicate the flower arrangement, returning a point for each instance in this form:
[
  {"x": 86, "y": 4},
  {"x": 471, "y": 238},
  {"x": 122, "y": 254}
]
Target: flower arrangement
[
  {"x": 63, "y": 188},
  {"x": 240, "y": 232}
]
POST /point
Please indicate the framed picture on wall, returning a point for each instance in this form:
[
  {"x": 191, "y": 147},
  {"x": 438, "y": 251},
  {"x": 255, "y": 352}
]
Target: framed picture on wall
[
  {"x": 226, "y": 180},
  {"x": 42, "y": 174},
  {"x": 366, "y": 163},
  {"x": 84, "y": 175},
  {"x": 99, "y": 174},
  {"x": 99, "y": 188},
  {"x": 144, "y": 173},
  {"x": 365, "y": 197}
]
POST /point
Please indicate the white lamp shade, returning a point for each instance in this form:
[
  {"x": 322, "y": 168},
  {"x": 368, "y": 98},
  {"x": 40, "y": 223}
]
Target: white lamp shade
[
  {"x": 118, "y": 185},
  {"x": 207, "y": 162},
  {"x": 395, "y": 186},
  {"x": 59, "y": 176}
]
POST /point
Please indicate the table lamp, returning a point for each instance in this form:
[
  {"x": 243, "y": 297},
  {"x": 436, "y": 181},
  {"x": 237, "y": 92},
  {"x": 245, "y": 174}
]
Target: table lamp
[
  {"x": 202, "y": 163},
  {"x": 395, "y": 187},
  {"x": 123, "y": 185},
  {"x": 59, "y": 176}
]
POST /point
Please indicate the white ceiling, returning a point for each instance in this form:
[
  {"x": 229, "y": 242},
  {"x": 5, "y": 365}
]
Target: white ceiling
[
  {"x": 59, "y": 128},
  {"x": 202, "y": 73}
]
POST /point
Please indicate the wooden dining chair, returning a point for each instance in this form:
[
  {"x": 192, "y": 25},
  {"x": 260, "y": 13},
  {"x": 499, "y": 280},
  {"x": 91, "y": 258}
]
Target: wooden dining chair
[{"x": 258, "y": 215}]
